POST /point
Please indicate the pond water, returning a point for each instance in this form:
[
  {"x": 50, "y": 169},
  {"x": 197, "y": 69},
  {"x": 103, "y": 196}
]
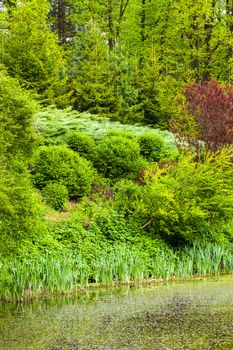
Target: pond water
[{"x": 194, "y": 315}]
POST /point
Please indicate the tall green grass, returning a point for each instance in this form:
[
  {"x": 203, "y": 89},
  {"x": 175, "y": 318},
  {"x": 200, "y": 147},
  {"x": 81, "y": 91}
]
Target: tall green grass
[{"x": 53, "y": 273}]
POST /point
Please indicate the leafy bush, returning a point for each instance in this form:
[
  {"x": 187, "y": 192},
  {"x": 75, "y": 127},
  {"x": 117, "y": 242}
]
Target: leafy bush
[
  {"x": 127, "y": 194},
  {"x": 184, "y": 200},
  {"x": 55, "y": 195},
  {"x": 17, "y": 134},
  {"x": 21, "y": 217},
  {"x": 152, "y": 146},
  {"x": 114, "y": 227},
  {"x": 73, "y": 236},
  {"x": 21, "y": 220},
  {"x": 211, "y": 106},
  {"x": 118, "y": 157},
  {"x": 59, "y": 163},
  {"x": 81, "y": 143},
  {"x": 93, "y": 229}
]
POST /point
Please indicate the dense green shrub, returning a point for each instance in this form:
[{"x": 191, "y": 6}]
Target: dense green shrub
[
  {"x": 152, "y": 146},
  {"x": 127, "y": 193},
  {"x": 93, "y": 229},
  {"x": 21, "y": 218},
  {"x": 191, "y": 200},
  {"x": 74, "y": 236},
  {"x": 55, "y": 195},
  {"x": 81, "y": 143},
  {"x": 17, "y": 134},
  {"x": 59, "y": 163},
  {"x": 184, "y": 200},
  {"x": 118, "y": 157}
]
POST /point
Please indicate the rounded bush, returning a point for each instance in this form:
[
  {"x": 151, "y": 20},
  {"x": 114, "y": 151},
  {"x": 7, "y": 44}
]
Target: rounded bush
[
  {"x": 61, "y": 164},
  {"x": 55, "y": 195},
  {"x": 81, "y": 143},
  {"x": 152, "y": 146},
  {"x": 118, "y": 157}
]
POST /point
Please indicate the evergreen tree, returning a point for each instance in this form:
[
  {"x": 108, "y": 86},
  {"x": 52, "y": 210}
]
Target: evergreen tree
[
  {"x": 16, "y": 119},
  {"x": 21, "y": 220},
  {"x": 94, "y": 83},
  {"x": 30, "y": 51},
  {"x": 128, "y": 107},
  {"x": 130, "y": 59}
]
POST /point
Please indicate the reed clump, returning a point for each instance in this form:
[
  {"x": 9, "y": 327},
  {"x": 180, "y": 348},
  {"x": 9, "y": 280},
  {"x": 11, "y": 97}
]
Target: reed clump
[{"x": 32, "y": 277}]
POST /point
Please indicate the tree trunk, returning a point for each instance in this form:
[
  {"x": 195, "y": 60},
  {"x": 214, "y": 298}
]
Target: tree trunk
[
  {"x": 229, "y": 13},
  {"x": 111, "y": 34},
  {"x": 62, "y": 21},
  {"x": 208, "y": 27},
  {"x": 143, "y": 22}
]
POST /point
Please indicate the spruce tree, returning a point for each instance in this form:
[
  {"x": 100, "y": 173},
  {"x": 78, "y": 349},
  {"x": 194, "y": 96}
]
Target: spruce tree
[{"x": 93, "y": 81}]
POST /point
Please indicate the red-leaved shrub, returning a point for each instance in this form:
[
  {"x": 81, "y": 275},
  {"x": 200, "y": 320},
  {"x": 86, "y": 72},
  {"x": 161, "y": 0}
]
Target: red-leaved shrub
[{"x": 211, "y": 105}]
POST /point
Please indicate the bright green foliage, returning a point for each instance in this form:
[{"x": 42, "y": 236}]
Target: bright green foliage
[
  {"x": 59, "y": 163},
  {"x": 128, "y": 108},
  {"x": 31, "y": 52},
  {"x": 103, "y": 70},
  {"x": 190, "y": 200},
  {"x": 205, "y": 38},
  {"x": 129, "y": 61},
  {"x": 21, "y": 221},
  {"x": 126, "y": 59},
  {"x": 127, "y": 197},
  {"x": 183, "y": 200},
  {"x": 16, "y": 114},
  {"x": 55, "y": 195},
  {"x": 92, "y": 78},
  {"x": 81, "y": 143},
  {"x": 118, "y": 157},
  {"x": 159, "y": 95},
  {"x": 67, "y": 271},
  {"x": 173, "y": 43},
  {"x": 152, "y": 146},
  {"x": 73, "y": 235}
]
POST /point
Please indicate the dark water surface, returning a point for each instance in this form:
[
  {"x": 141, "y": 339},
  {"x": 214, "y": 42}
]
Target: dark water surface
[{"x": 194, "y": 315}]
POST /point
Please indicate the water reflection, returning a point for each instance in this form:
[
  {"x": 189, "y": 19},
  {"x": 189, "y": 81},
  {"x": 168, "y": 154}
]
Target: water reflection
[{"x": 195, "y": 315}]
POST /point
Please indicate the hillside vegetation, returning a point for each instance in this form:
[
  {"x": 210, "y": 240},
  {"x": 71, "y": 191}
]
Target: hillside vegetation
[{"x": 115, "y": 143}]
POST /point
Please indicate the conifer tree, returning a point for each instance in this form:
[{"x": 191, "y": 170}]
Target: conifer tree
[
  {"x": 31, "y": 52},
  {"x": 93, "y": 80},
  {"x": 21, "y": 220}
]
